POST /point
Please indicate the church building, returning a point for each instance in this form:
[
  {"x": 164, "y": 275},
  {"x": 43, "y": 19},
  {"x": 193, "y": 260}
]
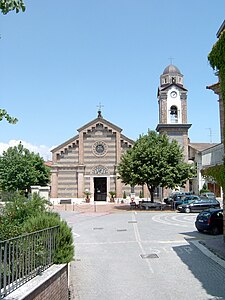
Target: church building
[{"x": 88, "y": 162}]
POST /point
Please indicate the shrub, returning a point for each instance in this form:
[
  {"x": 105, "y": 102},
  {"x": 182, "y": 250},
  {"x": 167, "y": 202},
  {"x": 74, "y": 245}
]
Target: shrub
[
  {"x": 21, "y": 216},
  {"x": 204, "y": 189},
  {"x": 64, "y": 248},
  {"x": 17, "y": 211}
]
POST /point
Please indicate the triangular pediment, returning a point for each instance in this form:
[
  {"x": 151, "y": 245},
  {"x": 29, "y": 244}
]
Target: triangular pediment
[
  {"x": 99, "y": 121},
  {"x": 92, "y": 126},
  {"x": 168, "y": 86},
  {"x": 71, "y": 143}
]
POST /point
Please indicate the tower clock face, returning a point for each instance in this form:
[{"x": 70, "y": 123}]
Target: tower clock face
[{"x": 173, "y": 94}]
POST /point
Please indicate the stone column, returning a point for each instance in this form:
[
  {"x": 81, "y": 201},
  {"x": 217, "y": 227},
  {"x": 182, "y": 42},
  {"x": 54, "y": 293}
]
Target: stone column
[
  {"x": 118, "y": 148},
  {"x": 81, "y": 148},
  {"x": 119, "y": 193},
  {"x": 54, "y": 184},
  {"x": 108, "y": 188},
  {"x": 80, "y": 181},
  {"x": 92, "y": 188},
  {"x": 118, "y": 155},
  {"x": 146, "y": 191}
]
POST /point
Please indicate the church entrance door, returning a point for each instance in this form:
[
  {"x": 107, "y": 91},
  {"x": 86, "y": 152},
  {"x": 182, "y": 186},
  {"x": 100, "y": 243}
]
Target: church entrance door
[{"x": 100, "y": 188}]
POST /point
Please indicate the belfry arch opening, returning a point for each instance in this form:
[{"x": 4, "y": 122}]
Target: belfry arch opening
[{"x": 173, "y": 114}]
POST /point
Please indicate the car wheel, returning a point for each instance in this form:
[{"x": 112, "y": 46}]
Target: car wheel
[
  {"x": 187, "y": 210},
  {"x": 214, "y": 230},
  {"x": 200, "y": 230}
]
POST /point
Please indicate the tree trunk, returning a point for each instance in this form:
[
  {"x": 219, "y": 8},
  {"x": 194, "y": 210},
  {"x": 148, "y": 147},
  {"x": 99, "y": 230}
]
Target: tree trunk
[{"x": 151, "y": 191}]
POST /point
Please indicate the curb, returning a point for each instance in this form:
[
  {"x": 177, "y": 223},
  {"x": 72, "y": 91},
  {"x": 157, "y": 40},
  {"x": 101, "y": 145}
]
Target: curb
[{"x": 211, "y": 253}]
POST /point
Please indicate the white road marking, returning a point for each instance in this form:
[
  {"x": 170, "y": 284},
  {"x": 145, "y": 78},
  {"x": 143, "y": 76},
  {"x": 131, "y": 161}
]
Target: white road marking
[
  {"x": 138, "y": 240},
  {"x": 76, "y": 235},
  {"x": 176, "y": 218},
  {"x": 159, "y": 220}
]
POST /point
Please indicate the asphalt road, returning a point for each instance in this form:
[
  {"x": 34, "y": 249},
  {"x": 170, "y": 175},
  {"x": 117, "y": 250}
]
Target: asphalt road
[{"x": 143, "y": 255}]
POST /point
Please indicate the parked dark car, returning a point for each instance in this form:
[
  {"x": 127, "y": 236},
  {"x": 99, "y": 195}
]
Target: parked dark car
[
  {"x": 175, "y": 197},
  {"x": 208, "y": 195},
  {"x": 199, "y": 205},
  {"x": 210, "y": 220},
  {"x": 184, "y": 200}
]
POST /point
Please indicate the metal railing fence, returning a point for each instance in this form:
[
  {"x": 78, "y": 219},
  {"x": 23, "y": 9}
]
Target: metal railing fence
[{"x": 26, "y": 256}]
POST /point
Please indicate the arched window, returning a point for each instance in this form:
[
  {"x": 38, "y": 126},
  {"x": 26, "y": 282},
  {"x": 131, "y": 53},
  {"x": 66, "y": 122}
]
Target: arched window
[{"x": 173, "y": 114}]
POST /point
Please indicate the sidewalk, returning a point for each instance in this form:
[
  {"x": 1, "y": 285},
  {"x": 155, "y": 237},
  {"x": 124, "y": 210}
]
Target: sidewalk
[{"x": 216, "y": 245}]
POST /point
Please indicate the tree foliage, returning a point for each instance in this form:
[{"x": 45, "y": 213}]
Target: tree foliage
[
  {"x": 20, "y": 169},
  {"x": 215, "y": 172},
  {"x": 4, "y": 114},
  {"x": 21, "y": 216},
  {"x": 154, "y": 161},
  {"x": 9, "y": 5},
  {"x": 217, "y": 61}
]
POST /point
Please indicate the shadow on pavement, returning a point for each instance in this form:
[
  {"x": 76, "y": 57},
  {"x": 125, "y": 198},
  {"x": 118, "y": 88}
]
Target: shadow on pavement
[{"x": 210, "y": 274}]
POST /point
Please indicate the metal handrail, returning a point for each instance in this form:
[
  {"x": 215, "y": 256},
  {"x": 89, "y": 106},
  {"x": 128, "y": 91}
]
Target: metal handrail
[{"x": 26, "y": 256}]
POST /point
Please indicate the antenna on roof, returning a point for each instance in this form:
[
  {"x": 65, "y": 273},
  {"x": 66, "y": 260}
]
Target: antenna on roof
[{"x": 210, "y": 134}]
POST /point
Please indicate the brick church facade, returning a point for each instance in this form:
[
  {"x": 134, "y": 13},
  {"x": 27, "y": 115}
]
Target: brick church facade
[{"x": 88, "y": 162}]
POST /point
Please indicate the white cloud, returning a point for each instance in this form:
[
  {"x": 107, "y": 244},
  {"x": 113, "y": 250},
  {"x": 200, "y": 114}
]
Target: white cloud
[{"x": 43, "y": 150}]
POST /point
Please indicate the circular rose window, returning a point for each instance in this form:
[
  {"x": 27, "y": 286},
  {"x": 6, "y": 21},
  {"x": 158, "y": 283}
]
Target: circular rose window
[{"x": 99, "y": 148}]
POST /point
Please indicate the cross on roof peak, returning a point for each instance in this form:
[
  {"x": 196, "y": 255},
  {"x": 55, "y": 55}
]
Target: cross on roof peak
[
  {"x": 100, "y": 110},
  {"x": 171, "y": 60}
]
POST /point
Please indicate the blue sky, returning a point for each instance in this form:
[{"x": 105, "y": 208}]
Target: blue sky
[{"x": 59, "y": 59}]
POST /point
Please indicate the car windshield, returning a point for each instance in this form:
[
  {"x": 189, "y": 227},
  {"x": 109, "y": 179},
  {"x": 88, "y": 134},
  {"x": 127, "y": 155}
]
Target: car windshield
[
  {"x": 210, "y": 194},
  {"x": 204, "y": 200}
]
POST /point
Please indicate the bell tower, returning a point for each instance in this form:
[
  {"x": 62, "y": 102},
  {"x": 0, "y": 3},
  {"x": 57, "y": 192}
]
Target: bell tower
[{"x": 172, "y": 100}]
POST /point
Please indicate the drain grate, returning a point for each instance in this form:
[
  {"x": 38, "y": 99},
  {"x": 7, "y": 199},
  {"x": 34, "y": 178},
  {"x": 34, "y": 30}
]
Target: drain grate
[
  {"x": 132, "y": 221},
  {"x": 121, "y": 230},
  {"x": 152, "y": 255},
  {"x": 97, "y": 228}
]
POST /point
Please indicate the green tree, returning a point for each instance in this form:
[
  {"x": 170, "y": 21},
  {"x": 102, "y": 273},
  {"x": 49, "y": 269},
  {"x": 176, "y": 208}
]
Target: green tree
[
  {"x": 9, "y": 5},
  {"x": 154, "y": 161},
  {"x": 20, "y": 169}
]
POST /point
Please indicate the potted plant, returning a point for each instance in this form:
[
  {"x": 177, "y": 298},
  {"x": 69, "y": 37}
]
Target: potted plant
[
  {"x": 141, "y": 194},
  {"x": 124, "y": 197},
  {"x": 112, "y": 196},
  {"x": 87, "y": 196}
]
